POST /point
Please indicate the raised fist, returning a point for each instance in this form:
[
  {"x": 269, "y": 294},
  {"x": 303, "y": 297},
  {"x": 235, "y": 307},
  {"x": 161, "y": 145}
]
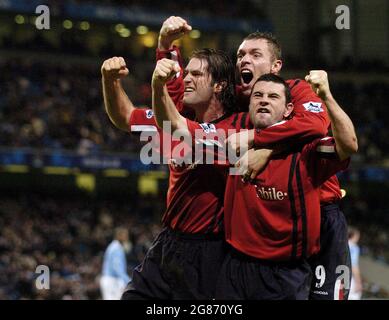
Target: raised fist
[
  {"x": 318, "y": 79},
  {"x": 173, "y": 28},
  {"x": 165, "y": 70},
  {"x": 114, "y": 68}
]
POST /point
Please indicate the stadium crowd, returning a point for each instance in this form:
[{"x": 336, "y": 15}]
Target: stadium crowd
[
  {"x": 69, "y": 236},
  {"x": 195, "y": 7},
  {"x": 47, "y": 106}
]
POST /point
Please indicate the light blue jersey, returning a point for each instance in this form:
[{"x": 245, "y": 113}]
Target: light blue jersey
[
  {"x": 354, "y": 253},
  {"x": 115, "y": 263}
]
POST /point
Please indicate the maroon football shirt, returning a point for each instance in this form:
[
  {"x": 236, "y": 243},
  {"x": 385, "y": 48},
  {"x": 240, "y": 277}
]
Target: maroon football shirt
[
  {"x": 278, "y": 216},
  {"x": 195, "y": 197}
]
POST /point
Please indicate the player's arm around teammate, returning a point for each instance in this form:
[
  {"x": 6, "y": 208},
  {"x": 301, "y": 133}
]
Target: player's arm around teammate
[
  {"x": 342, "y": 128},
  {"x": 318, "y": 79}
]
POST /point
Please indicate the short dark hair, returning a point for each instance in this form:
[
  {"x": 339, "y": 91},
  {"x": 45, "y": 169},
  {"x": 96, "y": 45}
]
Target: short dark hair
[
  {"x": 222, "y": 69},
  {"x": 271, "y": 77},
  {"x": 275, "y": 46}
]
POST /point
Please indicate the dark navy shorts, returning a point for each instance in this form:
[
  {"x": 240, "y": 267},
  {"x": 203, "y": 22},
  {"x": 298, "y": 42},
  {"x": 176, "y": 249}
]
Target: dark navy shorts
[
  {"x": 246, "y": 278},
  {"x": 178, "y": 266},
  {"x": 331, "y": 267}
]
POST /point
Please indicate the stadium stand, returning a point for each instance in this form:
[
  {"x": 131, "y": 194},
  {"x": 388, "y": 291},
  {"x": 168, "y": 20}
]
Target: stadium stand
[{"x": 50, "y": 99}]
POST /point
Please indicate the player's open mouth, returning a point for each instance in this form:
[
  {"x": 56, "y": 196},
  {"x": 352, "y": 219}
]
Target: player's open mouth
[
  {"x": 189, "y": 89},
  {"x": 263, "y": 110},
  {"x": 247, "y": 76}
]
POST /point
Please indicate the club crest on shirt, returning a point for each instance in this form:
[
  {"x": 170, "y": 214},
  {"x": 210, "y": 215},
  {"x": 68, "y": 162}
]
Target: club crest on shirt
[
  {"x": 208, "y": 127},
  {"x": 315, "y": 107},
  {"x": 149, "y": 113}
]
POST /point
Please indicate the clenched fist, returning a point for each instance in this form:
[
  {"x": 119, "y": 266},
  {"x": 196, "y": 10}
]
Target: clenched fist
[
  {"x": 318, "y": 79},
  {"x": 173, "y": 28},
  {"x": 164, "y": 71},
  {"x": 114, "y": 68}
]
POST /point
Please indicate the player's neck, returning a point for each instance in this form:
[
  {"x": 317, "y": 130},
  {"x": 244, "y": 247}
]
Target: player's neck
[{"x": 212, "y": 112}]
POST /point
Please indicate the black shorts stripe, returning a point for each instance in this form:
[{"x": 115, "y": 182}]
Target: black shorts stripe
[
  {"x": 243, "y": 121},
  {"x": 300, "y": 189},
  {"x": 293, "y": 207}
]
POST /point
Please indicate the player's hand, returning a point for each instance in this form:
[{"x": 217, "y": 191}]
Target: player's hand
[
  {"x": 318, "y": 79},
  {"x": 241, "y": 141},
  {"x": 172, "y": 29},
  {"x": 165, "y": 69},
  {"x": 114, "y": 68},
  {"x": 252, "y": 163}
]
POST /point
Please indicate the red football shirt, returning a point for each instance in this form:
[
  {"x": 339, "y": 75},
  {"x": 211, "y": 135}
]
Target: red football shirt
[
  {"x": 278, "y": 216},
  {"x": 310, "y": 120},
  {"x": 195, "y": 197}
]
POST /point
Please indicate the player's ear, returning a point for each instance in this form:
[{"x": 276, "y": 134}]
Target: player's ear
[
  {"x": 219, "y": 86},
  {"x": 288, "y": 110},
  {"x": 276, "y": 66}
]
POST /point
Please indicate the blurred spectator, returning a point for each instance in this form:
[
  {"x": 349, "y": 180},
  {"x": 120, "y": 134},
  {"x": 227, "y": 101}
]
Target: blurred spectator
[
  {"x": 114, "y": 275},
  {"x": 69, "y": 235},
  {"x": 356, "y": 279}
]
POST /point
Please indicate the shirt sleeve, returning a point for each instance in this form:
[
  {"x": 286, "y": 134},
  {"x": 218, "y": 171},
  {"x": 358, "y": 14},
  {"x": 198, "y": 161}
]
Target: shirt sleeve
[
  {"x": 323, "y": 160},
  {"x": 310, "y": 120},
  {"x": 142, "y": 120}
]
